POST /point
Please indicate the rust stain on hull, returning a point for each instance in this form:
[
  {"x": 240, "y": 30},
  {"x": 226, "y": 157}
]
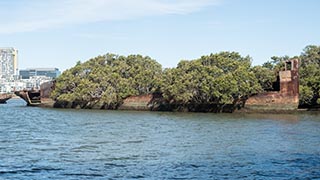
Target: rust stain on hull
[
  {"x": 287, "y": 99},
  {"x": 4, "y": 98}
]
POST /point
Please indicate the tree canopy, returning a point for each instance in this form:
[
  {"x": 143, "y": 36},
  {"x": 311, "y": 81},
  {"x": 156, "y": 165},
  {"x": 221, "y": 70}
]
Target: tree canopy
[
  {"x": 310, "y": 76},
  {"x": 266, "y": 77},
  {"x": 309, "y": 72},
  {"x": 221, "y": 78},
  {"x": 106, "y": 80}
]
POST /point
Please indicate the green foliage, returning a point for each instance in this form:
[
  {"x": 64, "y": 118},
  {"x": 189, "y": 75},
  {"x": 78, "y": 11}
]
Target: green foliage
[
  {"x": 277, "y": 63},
  {"x": 221, "y": 78},
  {"x": 265, "y": 76},
  {"x": 306, "y": 95},
  {"x": 268, "y": 72},
  {"x": 310, "y": 55},
  {"x": 310, "y": 75},
  {"x": 107, "y": 80}
]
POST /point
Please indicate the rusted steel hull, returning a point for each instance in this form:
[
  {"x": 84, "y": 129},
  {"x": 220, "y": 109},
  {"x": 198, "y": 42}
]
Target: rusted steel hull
[
  {"x": 32, "y": 97},
  {"x": 4, "y": 98},
  {"x": 287, "y": 99},
  {"x": 38, "y": 97}
]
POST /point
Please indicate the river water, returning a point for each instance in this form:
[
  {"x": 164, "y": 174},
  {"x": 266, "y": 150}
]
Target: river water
[{"x": 39, "y": 143}]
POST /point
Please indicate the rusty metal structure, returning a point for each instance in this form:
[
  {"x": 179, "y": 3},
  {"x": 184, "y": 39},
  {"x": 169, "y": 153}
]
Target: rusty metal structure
[
  {"x": 4, "y": 98},
  {"x": 37, "y": 97},
  {"x": 289, "y": 78},
  {"x": 286, "y": 99}
]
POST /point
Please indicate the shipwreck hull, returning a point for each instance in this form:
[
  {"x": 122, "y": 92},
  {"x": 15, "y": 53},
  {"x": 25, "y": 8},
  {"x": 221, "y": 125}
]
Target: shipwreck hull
[
  {"x": 4, "y": 98},
  {"x": 32, "y": 97},
  {"x": 37, "y": 97},
  {"x": 284, "y": 100}
]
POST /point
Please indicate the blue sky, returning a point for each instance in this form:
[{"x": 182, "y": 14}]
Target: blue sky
[{"x": 58, "y": 33}]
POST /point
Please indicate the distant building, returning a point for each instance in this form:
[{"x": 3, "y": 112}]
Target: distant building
[
  {"x": 47, "y": 72},
  {"x": 8, "y": 63},
  {"x": 8, "y": 87}
]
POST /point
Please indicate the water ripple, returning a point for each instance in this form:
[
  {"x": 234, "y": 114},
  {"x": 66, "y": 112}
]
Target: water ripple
[{"x": 38, "y": 143}]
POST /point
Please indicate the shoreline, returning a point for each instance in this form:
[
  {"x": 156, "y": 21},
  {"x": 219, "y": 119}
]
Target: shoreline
[{"x": 48, "y": 103}]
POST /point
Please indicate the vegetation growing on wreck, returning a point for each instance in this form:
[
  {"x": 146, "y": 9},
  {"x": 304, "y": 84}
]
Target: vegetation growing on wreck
[
  {"x": 222, "y": 78},
  {"x": 310, "y": 76},
  {"x": 105, "y": 81},
  {"x": 309, "y": 72}
]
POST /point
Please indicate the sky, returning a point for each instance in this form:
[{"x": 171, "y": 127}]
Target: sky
[{"x": 58, "y": 33}]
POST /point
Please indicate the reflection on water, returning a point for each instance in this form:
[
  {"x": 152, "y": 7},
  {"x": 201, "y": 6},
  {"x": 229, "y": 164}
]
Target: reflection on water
[{"x": 40, "y": 143}]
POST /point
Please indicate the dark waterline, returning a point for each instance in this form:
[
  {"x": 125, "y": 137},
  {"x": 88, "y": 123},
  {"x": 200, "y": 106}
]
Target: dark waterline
[{"x": 37, "y": 143}]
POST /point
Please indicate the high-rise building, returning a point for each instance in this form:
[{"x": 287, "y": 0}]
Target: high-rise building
[
  {"x": 8, "y": 62},
  {"x": 48, "y": 72}
]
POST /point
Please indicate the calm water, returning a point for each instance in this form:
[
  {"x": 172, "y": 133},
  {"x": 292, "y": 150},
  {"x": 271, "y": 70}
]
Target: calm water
[{"x": 38, "y": 143}]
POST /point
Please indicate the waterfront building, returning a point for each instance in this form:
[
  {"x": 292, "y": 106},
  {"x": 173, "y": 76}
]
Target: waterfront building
[
  {"x": 22, "y": 84},
  {"x": 34, "y": 82},
  {"x": 11, "y": 86},
  {"x": 47, "y": 72},
  {"x": 8, "y": 63}
]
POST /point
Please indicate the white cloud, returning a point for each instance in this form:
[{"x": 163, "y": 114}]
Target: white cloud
[{"x": 33, "y": 15}]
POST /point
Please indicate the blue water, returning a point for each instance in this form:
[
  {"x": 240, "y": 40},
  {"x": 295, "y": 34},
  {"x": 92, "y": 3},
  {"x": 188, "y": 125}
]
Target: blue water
[{"x": 39, "y": 143}]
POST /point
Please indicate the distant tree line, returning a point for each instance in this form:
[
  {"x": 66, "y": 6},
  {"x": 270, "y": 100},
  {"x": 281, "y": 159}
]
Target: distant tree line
[{"x": 222, "y": 78}]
